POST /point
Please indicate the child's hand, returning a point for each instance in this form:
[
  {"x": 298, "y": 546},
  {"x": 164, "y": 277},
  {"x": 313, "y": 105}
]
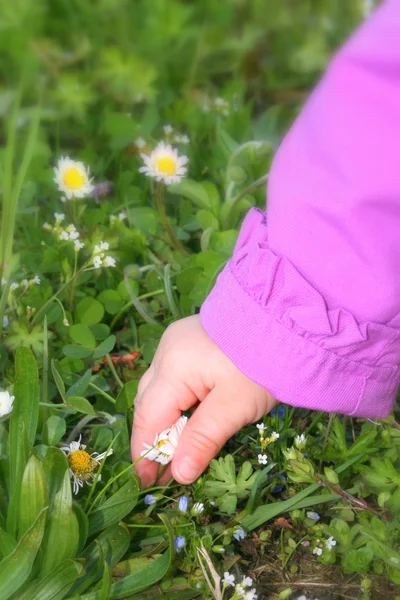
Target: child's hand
[{"x": 188, "y": 367}]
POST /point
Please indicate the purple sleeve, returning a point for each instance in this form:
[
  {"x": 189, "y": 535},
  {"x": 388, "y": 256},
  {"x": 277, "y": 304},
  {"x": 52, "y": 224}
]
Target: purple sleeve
[{"x": 309, "y": 304}]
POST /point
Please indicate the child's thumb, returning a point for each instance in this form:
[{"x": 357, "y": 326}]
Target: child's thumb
[{"x": 214, "y": 421}]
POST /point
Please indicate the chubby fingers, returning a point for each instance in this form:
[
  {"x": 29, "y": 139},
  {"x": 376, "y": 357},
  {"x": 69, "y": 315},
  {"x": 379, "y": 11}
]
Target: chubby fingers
[
  {"x": 157, "y": 406},
  {"x": 214, "y": 421}
]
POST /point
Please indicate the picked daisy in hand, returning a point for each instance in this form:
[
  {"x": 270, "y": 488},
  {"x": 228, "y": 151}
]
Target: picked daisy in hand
[
  {"x": 164, "y": 164},
  {"x": 72, "y": 178},
  {"x": 82, "y": 465},
  {"x": 165, "y": 443}
]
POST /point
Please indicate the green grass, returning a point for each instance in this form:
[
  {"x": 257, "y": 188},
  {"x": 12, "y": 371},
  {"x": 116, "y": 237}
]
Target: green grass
[{"x": 110, "y": 72}]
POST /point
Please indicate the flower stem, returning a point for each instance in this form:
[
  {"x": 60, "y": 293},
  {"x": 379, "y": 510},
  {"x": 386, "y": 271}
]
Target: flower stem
[
  {"x": 164, "y": 219},
  {"x": 114, "y": 371}
]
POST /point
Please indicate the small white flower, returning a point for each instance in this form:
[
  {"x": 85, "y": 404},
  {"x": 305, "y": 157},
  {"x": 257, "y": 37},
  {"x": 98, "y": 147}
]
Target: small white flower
[
  {"x": 251, "y": 595},
  {"x": 47, "y": 226},
  {"x": 228, "y": 579},
  {"x": 109, "y": 261},
  {"x": 261, "y": 427},
  {"x": 64, "y": 235},
  {"x": 181, "y": 139},
  {"x": 330, "y": 543},
  {"x": 65, "y": 322},
  {"x": 122, "y": 216},
  {"x": 240, "y": 590},
  {"x": 314, "y": 516},
  {"x": 165, "y": 443},
  {"x": 82, "y": 465},
  {"x": 78, "y": 245},
  {"x": 72, "y": 178},
  {"x": 25, "y": 283},
  {"x": 302, "y": 598},
  {"x": 14, "y": 286},
  {"x": 262, "y": 459},
  {"x": 239, "y": 534},
  {"x": 247, "y": 582},
  {"x": 164, "y": 164},
  {"x": 59, "y": 217},
  {"x": 73, "y": 234},
  {"x": 140, "y": 143},
  {"x": 274, "y": 436},
  {"x": 317, "y": 551},
  {"x": 36, "y": 280},
  {"x": 6, "y": 403},
  {"x": 198, "y": 508},
  {"x": 300, "y": 441},
  {"x": 168, "y": 129},
  {"x": 97, "y": 261}
]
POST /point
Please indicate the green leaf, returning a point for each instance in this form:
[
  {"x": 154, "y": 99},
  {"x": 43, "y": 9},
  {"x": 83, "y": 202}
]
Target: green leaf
[
  {"x": 112, "y": 301},
  {"x": 126, "y": 396},
  {"x": 16, "y": 568},
  {"x": 33, "y": 495},
  {"x": 23, "y": 424},
  {"x": 62, "y": 532},
  {"x": 58, "y": 380},
  {"x": 81, "y": 334},
  {"x": 80, "y": 386},
  {"x": 56, "y": 585},
  {"x": 145, "y": 218},
  {"x": 55, "y": 465},
  {"x": 358, "y": 560},
  {"x": 145, "y": 577},
  {"x": 81, "y": 405},
  {"x": 225, "y": 485},
  {"x": 53, "y": 430},
  {"x": 7, "y": 543},
  {"x": 116, "y": 507},
  {"x": 75, "y": 351},
  {"x": 89, "y": 311},
  {"x": 110, "y": 546},
  {"x": 105, "y": 347},
  {"x": 193, "y": 190}
]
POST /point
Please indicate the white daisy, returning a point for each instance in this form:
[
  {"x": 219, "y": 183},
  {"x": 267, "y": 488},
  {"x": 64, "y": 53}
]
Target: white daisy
[
  {"x": 165, "y": 443},
  {"x": 164, "y": 164},
  {"x": 72, "y": 178},
  {"x": 6, "y": 403},
  {"x": 82, "y": 465}
]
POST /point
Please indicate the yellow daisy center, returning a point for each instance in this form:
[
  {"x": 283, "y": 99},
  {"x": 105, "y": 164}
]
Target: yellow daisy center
[
  {"x": 81, "y": 464},
  {"x": 73, "y": 178},
  {"x": 166, "y": 165},
  {"x": 161, "y": 443}
]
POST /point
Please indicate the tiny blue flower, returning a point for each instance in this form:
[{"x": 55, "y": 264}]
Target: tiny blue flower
[
  {"x": 279, "y": 488},
  {"x": 5, "y": 321},
  {"x": 149, "y": 499},
  {"x": 180, "y": 542},
  {"x": 314, "y": 516},
  {"x": 281, "y": 411},
  {"x": 183, "y": 504},
  {"x": 239, "y": 534}
]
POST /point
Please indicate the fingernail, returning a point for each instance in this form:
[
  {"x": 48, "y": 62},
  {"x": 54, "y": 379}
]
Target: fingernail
[{"x": 187, "y": 471}]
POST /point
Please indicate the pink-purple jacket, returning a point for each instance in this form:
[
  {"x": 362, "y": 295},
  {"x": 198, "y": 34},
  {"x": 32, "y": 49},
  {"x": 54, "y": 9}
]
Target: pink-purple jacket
[{"x": 309, "y": 304}]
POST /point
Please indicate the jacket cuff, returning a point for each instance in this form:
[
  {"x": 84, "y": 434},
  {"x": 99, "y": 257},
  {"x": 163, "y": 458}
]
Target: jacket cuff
[{"x": 277, "y": 329}]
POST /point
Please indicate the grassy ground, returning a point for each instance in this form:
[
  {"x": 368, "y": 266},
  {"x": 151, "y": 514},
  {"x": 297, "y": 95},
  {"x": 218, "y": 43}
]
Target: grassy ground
[{"x": 102, "y": 82}]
